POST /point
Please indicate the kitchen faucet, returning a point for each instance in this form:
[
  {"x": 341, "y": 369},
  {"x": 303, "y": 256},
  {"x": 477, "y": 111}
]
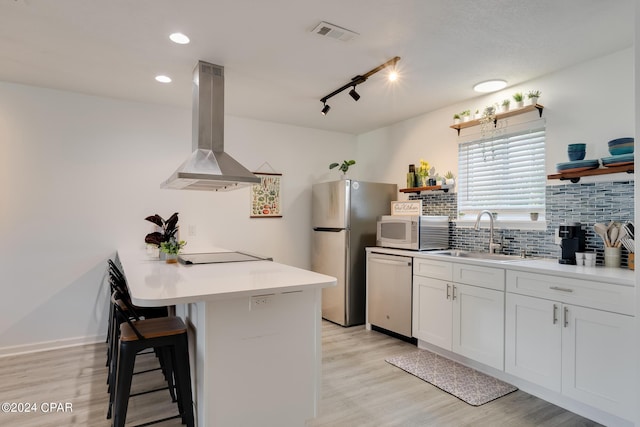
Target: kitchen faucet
[{"x": 492, "y": 246}]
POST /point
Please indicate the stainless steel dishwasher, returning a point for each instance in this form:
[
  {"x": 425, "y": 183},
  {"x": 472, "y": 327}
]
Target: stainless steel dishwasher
[{"x": 389, "y": 292}]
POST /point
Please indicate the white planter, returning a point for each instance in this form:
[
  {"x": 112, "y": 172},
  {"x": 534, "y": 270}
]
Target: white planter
[
  {"x": 519, "y": 104},
  {"x": 456, "y": 121},
  {"x": 533, "y": 101}
]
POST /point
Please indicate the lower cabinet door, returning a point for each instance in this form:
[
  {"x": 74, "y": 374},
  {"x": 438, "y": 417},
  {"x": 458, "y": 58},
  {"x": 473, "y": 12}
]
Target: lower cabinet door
[
  {"x": 478, "y": 324},
  {"x": 432, "y": 311},
  {"x": 598, "y": 363},
  {"x": 533, "y": 340}
]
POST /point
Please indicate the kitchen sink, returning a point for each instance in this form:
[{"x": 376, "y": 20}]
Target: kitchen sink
[{"x": 483, "y": 255}]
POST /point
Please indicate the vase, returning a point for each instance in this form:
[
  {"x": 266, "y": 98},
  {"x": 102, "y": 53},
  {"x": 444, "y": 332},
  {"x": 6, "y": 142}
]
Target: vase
[
  {"x": 424, "y": 181},
  {"x": 171, "y": 258}
]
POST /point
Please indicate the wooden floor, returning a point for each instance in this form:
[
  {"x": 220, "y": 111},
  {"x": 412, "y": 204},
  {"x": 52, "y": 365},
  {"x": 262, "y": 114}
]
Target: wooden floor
[{"x": 359, "y": 389}]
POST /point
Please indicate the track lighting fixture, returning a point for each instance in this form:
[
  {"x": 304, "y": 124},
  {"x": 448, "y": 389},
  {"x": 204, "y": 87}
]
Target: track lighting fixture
[
  {"x": 355, "y": 81},
  {"x": 355, "y": 95}
]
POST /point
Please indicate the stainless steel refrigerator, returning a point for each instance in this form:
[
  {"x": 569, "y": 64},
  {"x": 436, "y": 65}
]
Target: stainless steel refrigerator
[{"x": 344, "y": 219}]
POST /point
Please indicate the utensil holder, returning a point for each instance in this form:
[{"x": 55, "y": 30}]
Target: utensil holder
[
  {"x": 632, "y": 261},
  {"x": 612, "y": 257}
]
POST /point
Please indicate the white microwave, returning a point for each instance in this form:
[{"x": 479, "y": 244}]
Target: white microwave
[{"x": 418, "y": 233}]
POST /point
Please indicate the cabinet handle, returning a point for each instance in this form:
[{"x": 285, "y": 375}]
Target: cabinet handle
[
  {"x": 555, "y": 314},
  {"x": 566, "y": 317},
  {"x": 558, "y": 288},
  {"x": 448, "y": 291},
  {"x": 453, "y": 294}
]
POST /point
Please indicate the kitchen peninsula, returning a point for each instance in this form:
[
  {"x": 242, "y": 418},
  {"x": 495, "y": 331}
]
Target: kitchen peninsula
[{"x": 254, "y": 331}]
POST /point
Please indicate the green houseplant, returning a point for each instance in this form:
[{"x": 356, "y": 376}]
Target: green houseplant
[
  {"x": 344, "y": 167},
  {"x": 505, "y": 105},
  {"x": 165, "y": 239},
  {"x": 533, "y": 96},
  {"x": 519, "y": 98}
]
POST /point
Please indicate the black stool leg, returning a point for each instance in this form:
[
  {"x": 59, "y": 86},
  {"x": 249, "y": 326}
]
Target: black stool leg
[
  {"x": 183, "y": 380},
  {"x": 166, "y": 362},
  {"x": 126, "y": 362}
]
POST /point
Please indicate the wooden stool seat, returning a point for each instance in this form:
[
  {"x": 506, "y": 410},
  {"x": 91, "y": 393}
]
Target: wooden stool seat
[{"x": 153, "y": 328}]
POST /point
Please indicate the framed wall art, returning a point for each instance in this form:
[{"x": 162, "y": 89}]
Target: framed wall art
[{"x": 266, "y": 198}]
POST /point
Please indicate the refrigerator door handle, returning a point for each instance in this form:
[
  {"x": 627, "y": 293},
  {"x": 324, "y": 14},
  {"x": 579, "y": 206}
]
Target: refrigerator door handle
[{"x": 329, "y": 229}]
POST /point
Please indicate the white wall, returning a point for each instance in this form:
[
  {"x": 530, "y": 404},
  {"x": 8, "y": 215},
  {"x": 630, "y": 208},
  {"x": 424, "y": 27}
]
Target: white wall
[
  {"x": 592, "y": 102},
  {"x": 78, "y": 175}
]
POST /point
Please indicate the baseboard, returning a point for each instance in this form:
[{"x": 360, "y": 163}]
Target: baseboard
[{"x": 50, "y": 345}]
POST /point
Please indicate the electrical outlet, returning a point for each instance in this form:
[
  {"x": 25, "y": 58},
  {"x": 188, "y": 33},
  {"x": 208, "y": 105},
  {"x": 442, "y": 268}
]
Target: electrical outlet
[
  {"x": 260, "y": 301},
  {"x": 192, "y": 230}
]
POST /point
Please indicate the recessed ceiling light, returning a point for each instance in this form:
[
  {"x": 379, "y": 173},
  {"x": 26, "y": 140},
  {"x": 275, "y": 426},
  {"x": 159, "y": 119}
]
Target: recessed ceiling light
[
  {"x": 179, "y": 38},
  {"x": 490, "y": 86},
  {"x": 163, "y": 79}
]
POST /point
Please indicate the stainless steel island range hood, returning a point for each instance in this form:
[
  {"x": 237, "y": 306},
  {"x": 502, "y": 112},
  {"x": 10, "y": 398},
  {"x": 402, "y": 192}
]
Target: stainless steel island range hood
[{"x": 209, "y": 168}]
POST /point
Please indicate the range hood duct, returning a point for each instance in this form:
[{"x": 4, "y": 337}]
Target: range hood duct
[{"x": 209, "y": 168}]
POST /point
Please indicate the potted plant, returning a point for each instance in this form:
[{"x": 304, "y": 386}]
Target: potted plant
[
  {"x": 449, "y": 178},
  {"x": 477, "y": 114},
  {"x": 519, "y": 98},
  {"x": 465, "y": 115},
  {"x": 533, "y": 96},
  {"x": 344, "y": 167},
  {"x": 171, "y": 249},
  {"x": 456, "y": 118},
  {"x": 165, "y": 239},
  {"x": 505, "y": 105}
]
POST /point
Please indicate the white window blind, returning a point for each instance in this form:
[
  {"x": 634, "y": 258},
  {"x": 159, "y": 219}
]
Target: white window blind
[{"x": 505, "y": 174}]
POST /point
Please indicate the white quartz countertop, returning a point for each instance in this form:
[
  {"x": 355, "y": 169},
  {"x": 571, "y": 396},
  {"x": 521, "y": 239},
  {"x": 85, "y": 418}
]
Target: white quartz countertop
[
  {"x": 154, "y": 283},
  {"x": 616, "y": 276}
]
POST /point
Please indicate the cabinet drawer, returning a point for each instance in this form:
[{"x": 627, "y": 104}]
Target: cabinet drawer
[
  {"x": 431, "y": 268},
  {"x": 586, "y": 293},
  {"x": 486, "y": 277}
]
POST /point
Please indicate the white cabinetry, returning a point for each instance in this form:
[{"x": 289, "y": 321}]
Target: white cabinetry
[
  {"x": 558, "y": 336},
  {"x": 460, "y": 307}
]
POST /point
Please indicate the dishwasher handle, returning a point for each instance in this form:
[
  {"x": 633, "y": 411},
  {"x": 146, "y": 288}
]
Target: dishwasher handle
[{"x": 390, "y": 261}]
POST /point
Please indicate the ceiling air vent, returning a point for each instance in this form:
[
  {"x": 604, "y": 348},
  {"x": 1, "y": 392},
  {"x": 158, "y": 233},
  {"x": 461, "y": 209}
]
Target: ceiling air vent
[{"x": 326, "y": 29}]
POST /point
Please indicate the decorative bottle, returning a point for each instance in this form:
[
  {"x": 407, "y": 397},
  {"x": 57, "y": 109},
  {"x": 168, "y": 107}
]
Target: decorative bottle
[{"x": 411, "y": 176}]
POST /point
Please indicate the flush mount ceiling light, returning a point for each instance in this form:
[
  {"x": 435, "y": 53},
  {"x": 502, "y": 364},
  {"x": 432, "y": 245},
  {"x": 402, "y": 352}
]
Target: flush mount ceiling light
[
  {"x": 490, "y": 86},
  {"x": 179, "y": 38},
  {"x": 163, "y": 79},
  {"x": 355, "y": 81}
]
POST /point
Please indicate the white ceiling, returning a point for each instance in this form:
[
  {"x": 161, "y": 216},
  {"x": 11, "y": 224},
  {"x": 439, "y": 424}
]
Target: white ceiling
[{"x": 277, "y": 70}]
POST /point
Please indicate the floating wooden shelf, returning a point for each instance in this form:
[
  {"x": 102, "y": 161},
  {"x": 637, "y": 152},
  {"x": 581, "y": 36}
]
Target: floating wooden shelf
[
  {"x": 428, "y": 188},
  {"x": 499, "y": 116},
  {"x": 575, "y": 176}
]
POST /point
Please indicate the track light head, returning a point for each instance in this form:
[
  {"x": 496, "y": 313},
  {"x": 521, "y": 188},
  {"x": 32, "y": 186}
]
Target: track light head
[
  {"x": 325, "y": 109},
  {"x": 354, "y": 94}
]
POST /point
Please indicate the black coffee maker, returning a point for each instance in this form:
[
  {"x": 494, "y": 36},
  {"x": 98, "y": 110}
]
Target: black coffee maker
[{"x": 572, "y": 240}]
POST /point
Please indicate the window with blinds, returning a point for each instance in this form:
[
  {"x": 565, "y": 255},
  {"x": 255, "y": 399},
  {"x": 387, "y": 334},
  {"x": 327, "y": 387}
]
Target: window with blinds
[{"x": 504, "y": 174}]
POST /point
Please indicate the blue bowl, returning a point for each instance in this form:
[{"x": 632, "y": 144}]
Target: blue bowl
[
  {"x": 577, "y": 147},
  {"x": 619, "y": 141},
  {"x": 576, "y": 155},
  {"x": 620, "y": 146},
  {"x": 618, "y": 150}
]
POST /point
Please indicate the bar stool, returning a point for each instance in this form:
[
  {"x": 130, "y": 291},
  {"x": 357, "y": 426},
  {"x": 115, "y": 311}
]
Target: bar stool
[
  {"x": 117, "y": 282},
  {"x": 123, "y": 310},
  {"x": 169, "y": 336}
]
